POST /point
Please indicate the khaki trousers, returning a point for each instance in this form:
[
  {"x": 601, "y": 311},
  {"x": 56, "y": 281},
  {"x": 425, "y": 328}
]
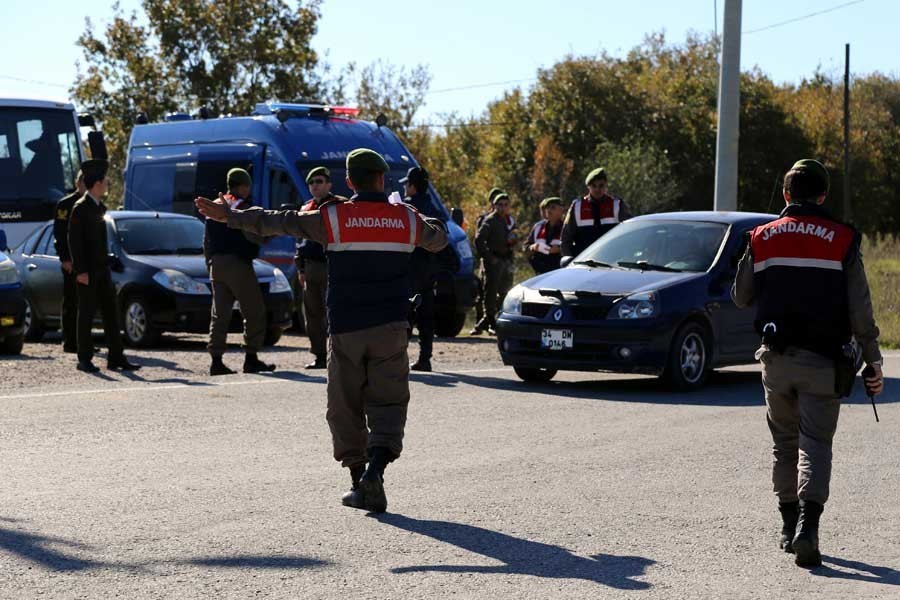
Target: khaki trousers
[
  {"x": 802, "y": 415},
  {"x": 314, "y": 304},
  {"x": 368, "y": 390},
  {"x": 233, "y": 278}
]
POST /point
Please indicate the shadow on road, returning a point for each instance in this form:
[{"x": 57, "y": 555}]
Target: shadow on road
[
  {"x": 522, "y": 557},
  {"x": 858, "y": 571},
  {"x": 258, "y": 562},
  {"x": 39, "y": 549},
  {"x": 725, "y": 388}
]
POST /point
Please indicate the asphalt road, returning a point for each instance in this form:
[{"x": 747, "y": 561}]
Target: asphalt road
[{"x": 172, "y": 484}]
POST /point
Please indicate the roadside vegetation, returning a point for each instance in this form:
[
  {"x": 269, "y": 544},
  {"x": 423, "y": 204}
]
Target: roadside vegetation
[{"x": 882, "y": 259}]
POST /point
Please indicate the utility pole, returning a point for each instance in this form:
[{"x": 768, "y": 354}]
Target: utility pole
[
  {"x": 847, "y": 208},
  {"x": 729, "y": 109}
]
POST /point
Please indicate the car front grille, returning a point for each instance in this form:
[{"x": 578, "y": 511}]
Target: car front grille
[{"x": 538, "y": 310}]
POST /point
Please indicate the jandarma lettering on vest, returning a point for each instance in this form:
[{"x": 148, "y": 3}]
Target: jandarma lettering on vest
[
  {"x": 798, "y": 227},
  {"x": 379, "y": 222}
]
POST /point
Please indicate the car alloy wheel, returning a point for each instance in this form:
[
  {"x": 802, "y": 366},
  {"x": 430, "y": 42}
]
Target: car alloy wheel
[
  {"x": 28, "y": 317},
  {"x": 135, "y": 322},
  {"x": 692, "y": 357}
]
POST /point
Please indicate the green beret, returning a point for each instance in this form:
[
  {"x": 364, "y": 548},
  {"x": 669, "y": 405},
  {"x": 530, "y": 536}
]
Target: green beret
[
  {"x": 552, "y": 200},
  {"x": 494, "y": 191},
  {"x": 814, "y": 168},
  {"x": 367, "y": 160},
  {"x": 598, "y": 173},
  {"x": 238, "y": 177},
  {"x": 95, "y": 168},
  {"x": 499, "y": 197},
  {"x": 323, "y": 171}
]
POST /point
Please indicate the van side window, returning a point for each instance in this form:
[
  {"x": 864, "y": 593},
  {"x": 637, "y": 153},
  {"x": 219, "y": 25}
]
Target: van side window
[
  {"x": 282, "y": 190},
  {"x": 184, "y": 193}
]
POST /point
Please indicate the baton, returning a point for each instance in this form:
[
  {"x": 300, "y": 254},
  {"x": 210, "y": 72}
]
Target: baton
[{"x": 869, "y": 372}]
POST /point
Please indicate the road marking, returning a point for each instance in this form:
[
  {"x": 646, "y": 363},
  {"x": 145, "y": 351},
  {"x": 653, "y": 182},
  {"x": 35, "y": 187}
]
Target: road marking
[{"x": 175, "y": 386}]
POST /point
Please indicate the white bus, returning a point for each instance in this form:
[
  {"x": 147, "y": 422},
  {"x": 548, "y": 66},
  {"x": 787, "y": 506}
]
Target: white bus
[{"x": 40, "y": 152}]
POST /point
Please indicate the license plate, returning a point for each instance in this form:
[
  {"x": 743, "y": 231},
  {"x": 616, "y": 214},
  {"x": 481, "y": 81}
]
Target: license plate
[
  {"x": 556, "y": 339},
  {"x": 7, "y": 321}
]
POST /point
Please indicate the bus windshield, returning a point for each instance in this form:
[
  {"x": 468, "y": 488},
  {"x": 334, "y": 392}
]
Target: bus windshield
[{"x": 39, "y": 156}]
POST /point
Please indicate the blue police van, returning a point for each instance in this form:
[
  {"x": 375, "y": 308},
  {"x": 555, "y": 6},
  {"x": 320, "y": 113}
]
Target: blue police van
[{"x": 171, "y": 163}]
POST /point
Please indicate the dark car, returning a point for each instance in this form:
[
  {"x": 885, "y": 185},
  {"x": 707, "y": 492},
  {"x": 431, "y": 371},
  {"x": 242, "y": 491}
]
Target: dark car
[
  {"x": 12, "y": 305},
  {"x": 651, "y": 296},
  {"x": 162, "y": 283}
]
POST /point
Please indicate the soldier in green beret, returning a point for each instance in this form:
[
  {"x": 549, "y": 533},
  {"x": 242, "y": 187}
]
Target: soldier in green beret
[
  {"x": 479, "y": 263},
  {"x": 593, "y": 215},
  {"x": 496, "y": 239},
  {"x": 368, "y": 242}
]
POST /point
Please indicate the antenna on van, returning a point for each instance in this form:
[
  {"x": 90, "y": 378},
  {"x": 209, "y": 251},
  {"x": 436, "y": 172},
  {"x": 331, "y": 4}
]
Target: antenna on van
[{"x": 381, "y": 120}]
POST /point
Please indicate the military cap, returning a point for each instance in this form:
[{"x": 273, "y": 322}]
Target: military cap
[
  {"x": 598, "y": 173},
  {"x": 494, "y": 191},
  {"x": 814, "y": 168},
  {"x": 323, "y": 171},
  {"x": 552, "y": 200},
  {"x": 238, "y": 177},
  {"x": 95, "y": 168},
  {"x": 416, "y": 176},
  {"x": 368, "y": 160},
  {"x": 499, "y": 197}
]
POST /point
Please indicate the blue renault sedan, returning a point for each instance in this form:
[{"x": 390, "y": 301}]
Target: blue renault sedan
[{"x": 651, "y": 296}]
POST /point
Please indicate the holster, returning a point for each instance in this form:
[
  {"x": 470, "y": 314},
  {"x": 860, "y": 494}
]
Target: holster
[{"x": 845, "y": 367}]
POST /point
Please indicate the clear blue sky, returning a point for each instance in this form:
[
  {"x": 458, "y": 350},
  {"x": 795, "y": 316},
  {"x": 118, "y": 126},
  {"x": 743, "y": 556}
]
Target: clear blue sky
[{"x": 472, "y": 42}]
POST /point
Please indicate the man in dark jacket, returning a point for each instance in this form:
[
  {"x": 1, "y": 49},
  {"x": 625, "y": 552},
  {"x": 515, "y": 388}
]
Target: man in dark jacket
[
  {"x": 423, "y": 266},
  {"x": 592, "y": 216},
  {"x": 495, "y": 241},
  {"x": 69, "y": 309},
  {"x": 368, "y": 242},
  {"x": 544, "y": 244},
  {"x": 313, "y": 270},
  {"x": 230, "y": 256},
  {"x": 90, "y": 263}
]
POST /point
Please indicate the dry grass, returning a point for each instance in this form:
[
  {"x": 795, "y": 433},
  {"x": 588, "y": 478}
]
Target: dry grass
[{"x": 882, "y": 260}]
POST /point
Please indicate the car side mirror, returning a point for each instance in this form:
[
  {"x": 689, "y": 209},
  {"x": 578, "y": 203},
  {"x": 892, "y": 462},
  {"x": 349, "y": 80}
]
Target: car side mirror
[
  {"x": 3, "y": 241},
  {"x": 456, "y": 214},
  {"x": 115, "y": 263},
  {"x": 565, "y": 261}
]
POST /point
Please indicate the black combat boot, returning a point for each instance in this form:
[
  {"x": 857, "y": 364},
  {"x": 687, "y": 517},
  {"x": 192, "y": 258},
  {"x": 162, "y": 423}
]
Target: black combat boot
[
  {"x": 372, "y": 481},
  {"x": 252, "y": 364},
  {"x": 319, "y": 363},
  {"x": 217, "y": 367},
  {"x": 790, "y": 512},
  {"x": 423, "y": 364},
  {"x": 806, "y": 542},
  {"x": 120, "y": 362},
  {"x": 355, "y": 498}
]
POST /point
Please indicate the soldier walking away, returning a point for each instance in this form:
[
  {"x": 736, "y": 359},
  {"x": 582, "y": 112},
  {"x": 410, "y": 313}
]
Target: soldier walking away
[
  {"x": 495, "y": 241},
  {"x": 368, "y": 242},
  {"x": 89, "y": 250},
  {"x": 313, "y": 270},
  {"x": 229, "y": 256},
  {"x": 804, "y": 273},
  {"x": 69, "y": 308},
  {"x": 544, "y": 243},
  {"x": 479, "y": 266},
  {"x": 593, "y": 215},
  {"x": 423, "y": 266}
]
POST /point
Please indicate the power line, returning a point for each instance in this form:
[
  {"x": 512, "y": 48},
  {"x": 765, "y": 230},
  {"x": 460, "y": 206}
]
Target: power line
[
  {"x": 803, "y": 17},
  {"x": 481, "y": 85},
  {"x": 34, "y": 81}
]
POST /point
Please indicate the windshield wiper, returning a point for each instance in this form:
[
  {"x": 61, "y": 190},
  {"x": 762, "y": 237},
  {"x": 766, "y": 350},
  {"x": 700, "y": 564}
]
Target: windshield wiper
[
  {"x": 643, "y": 265},
  {"x": 593, "y": 263}
]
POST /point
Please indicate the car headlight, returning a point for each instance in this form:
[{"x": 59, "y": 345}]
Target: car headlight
[
  {"x": 512, "y": 304},
  {"x": 463, "y": 249},
  {"x": 179, "y": 282},
  {"x": 279, "y": 283},
  {"x": 637, "y": 306},
  {"x": 8, "y": 273}
]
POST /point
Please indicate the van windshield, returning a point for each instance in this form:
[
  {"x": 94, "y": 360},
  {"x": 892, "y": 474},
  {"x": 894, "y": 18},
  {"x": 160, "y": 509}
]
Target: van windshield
[{"x": 339, "y": 183}]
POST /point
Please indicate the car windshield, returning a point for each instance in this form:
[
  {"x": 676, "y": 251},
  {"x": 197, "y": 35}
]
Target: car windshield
[
  {"x": 152, "y": 235},
  {"x": 658, "y": 245}
]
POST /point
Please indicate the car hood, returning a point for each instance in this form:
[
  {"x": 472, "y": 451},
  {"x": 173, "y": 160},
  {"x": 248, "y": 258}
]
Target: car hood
[
  {"x": 192, "y": 265},
  {"x": 615, "y": 282}
]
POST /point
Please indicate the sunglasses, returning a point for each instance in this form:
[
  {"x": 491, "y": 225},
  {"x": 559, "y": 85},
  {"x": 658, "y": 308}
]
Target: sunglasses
[{"x": 318, "y": 181}]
